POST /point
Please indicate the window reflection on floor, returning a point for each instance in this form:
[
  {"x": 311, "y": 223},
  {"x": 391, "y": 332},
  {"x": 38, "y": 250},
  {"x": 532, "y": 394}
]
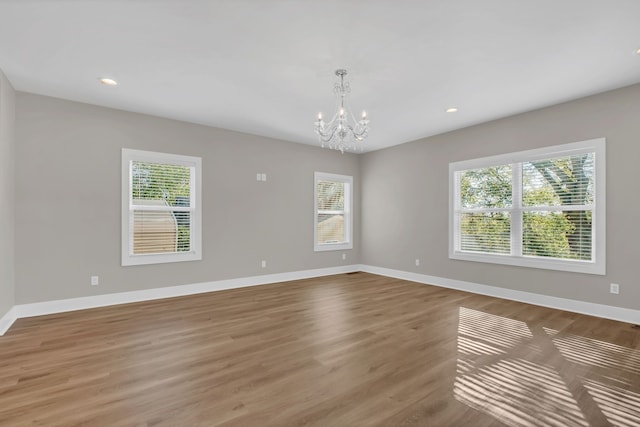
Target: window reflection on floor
[{"x": 536, "y": 376}]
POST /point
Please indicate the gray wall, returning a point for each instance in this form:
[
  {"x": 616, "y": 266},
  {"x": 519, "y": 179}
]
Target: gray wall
[
  {"x": 68, "y": 200},
  {"x": 67, "y": 196},
  {"x": 7, "y": 192},
  {"x": 405, "y": 197}
]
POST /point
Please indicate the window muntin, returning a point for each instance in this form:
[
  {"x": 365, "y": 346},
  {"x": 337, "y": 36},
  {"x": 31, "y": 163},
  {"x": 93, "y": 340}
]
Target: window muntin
[
  {"x": 536, "y": 208},
  {"x": 161, "y": 208},
  {"x": 332, "y": 218}
]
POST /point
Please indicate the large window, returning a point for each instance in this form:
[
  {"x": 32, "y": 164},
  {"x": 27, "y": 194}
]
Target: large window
[
  {"x": 333, "y": 219},
  {"x": 161, "y": 218},
  {"x": 542, "y": 208}
]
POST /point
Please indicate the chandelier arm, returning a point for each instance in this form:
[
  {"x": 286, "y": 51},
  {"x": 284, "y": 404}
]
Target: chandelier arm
[
  {"x": 356, "y": 132},
  {"x": 361, "y": 135},
  {"x": 327, "y": 137}
]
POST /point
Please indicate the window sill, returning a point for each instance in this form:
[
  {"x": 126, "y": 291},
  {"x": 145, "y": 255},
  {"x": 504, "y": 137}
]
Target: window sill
[
  {"x": 332, "y": 247},
  {"x": 531, "y": 262},
  {"x": 160, "y": 258}
]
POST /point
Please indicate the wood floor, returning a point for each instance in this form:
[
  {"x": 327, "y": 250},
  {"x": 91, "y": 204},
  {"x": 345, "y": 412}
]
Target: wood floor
[{"x": 346, "y": 350}]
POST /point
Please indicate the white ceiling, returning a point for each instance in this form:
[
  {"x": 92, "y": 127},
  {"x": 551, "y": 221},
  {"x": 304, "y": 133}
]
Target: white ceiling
[{"x": 266, "y": 66}]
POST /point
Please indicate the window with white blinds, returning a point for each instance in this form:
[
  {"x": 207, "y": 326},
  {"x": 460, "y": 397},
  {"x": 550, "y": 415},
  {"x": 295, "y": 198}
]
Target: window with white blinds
[
  {"x": 542, "y": 208},
  {"x": 160, "y": 208},
  {"x": 333, "y": 220}
]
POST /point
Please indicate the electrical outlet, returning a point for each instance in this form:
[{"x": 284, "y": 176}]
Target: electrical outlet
[
  {"x": 264, "y": 264},
  {"x": 614, "y": 288},
  {"x": 95, "y": 280},
  {"x": 417, "y": 262},
  {"x": 344, "y": 256},
  {"x": 258, "y": 177},
  {"x": 264, "y": 177}
]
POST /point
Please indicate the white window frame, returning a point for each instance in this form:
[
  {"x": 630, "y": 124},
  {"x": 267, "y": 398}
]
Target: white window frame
[
  {"x": 195, "y": 254},
  {"x": 598, "y": 263},
  {"x": 348, "y": 211}
]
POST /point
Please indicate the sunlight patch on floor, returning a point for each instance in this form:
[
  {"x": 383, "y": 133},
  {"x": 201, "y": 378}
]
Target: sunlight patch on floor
[
  {"x": 501, "y": 372},
  {"x": 590, "y": 352}
]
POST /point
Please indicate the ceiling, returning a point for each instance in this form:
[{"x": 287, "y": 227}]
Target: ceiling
[{"x": 266, "y": 67}]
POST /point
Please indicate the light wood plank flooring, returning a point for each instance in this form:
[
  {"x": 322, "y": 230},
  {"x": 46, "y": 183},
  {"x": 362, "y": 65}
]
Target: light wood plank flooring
[{"x": 346, "y": 350}]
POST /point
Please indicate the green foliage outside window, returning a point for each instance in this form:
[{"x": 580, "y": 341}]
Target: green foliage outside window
[
  {"x": 159, "y": 181},
  {"x": 486, "y": 232},
  {"x": 566, "y": 181}
]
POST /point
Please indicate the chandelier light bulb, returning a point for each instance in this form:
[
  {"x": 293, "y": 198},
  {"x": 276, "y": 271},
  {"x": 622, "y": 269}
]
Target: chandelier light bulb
[
  {"x": 341, "y": 112},
  {"x": 364, "y": 115},
  {"x": 320, "y": 116}
]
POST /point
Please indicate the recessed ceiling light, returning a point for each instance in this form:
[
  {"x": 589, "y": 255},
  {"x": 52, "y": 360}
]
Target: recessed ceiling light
[
  {"x": 638, "y": 52},
  {"x": 108, "y": 81},
  {"x": 452, "y": 110}
]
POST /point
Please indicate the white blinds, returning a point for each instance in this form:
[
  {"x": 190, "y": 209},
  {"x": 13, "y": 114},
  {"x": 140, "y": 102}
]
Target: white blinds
[
  {"x": 558, "y": 201},
  {"x": 486, "y": 188},
  {"x": 485, "y": 199},
  {"x": 160, "y": 207},
  {"x": 159, "y": 181},
  {"x": 330, "y": 195},
  {"x": 562, "y": 181},
  {"x": 485, "y": 232},
  {"x": 538, "y": 208},
  {"x": 330, "y": 211}
]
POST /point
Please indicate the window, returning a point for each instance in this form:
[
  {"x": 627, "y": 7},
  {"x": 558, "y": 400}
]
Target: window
[
  {"x": 542, "y": 208},
  {"x": 333, "y": 219},
  {"x": 161, "y": 218}
]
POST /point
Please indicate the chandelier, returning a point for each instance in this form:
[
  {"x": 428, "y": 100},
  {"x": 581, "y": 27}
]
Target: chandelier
[{"x": 343, "y": 132}]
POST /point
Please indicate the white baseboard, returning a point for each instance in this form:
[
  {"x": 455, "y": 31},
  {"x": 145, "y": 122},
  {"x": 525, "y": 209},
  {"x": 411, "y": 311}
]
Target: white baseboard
[
  {"x": 7, "y": 320},
  {"x": 72, "y": 304},
  {"x": 582, "y": 307},
  {"x": 60, "y": 306}
]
